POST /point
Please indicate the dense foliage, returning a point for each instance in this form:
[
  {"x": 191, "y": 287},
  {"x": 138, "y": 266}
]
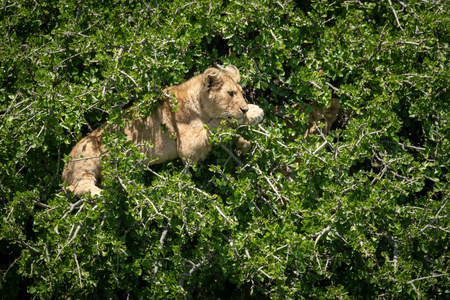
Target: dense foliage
[{"x": 360, "y": 213}]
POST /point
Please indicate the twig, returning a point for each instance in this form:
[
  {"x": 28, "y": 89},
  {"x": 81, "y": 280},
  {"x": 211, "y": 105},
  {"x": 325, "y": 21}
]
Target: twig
[
  {"x": 393, "y": 241},
  {"x": 122, "y": 184},
  {"x": 264, "y": 273},
  {"x": 83, "y": 158},
  {"x": 163, "y": 235},
  {"x": 256, "y": 66},
  {"x": 210, "y": 9},
  {"x": 403, "y": 145},
  {"x": 118, "y": 56},
  {"x": 440, "y": 228},
  {"x": 279, "y": 197},
  {"x": 324, "y": 138},
  {"x": 426, "y": 277},
  {"x": 320, "y": 147},
  {"x": 377, "y": 49},
  {"x": 318, "y": 261},
  {"x": 156, "y": 174},
  {"x": 74, "y": 206},
  {"x": 80, "y": 12},
  {"x": 362, "y": 137},
  {"x": 71, "y": 238},
  {"x": 8, "y": 6},
  {"x": 332, "y": 87},
  {"x": 154, "y": 207},
  {"x": 70, "y": 57},
  {"x": 212, "y": 202},
  {"x": 273, "y": 35},
  {"x": 437, "y": 214},
  {"x": 320, "y": 234},
  {"x": 415, "y": 44},
  {"x": 410, "y": 75},
  {"x": 314, "y": 153},
  {"x": 161, "y": 241},
  {"x": 336, "y": 233},
  {"x": 194, "y": 268},
  {"x": 78, "y": 266},
  {"x": 131, "y": 78},
  {"x": 36, "y": 251},
  {"x": 231, "y": 154},
  {"x": 315, "y": 84},
  {"x": 39, "y": 203},
  {"x": 74, "y": 234},
  {"x": 11, "y": 265},
  {"x": 258, "y": 171},
  {"x": 395, "y": 15}
]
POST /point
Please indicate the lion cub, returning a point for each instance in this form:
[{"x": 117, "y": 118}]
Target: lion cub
[
  {"x": 206, "y": 99},
  {"x": 327, "y": 114}
]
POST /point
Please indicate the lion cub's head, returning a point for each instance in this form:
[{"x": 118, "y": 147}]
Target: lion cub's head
[{"x": 222, "y": 95}]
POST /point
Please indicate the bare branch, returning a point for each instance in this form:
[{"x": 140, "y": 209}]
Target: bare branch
[
  {"x": 433, "y": 220},
  {"x": 78, "y": 266},
  {"x": 315, "y": 84},
  {"x": 228, "y": 151},
  {"x": 131, "y": 78},
  {"x": 320, "y": 234},
  {"x": 395, "y": 15},
  {"x": 426, "y": 277},
  {"x": 393, "y": 242},
  {"x": 212, "y": 202},
  {"x": 163, "y": 234},
  {"x": 194, "y": 267},
  {"x": 273, "y": 35},
  {"x": 332, "y": 87},
  {"x": 315, "y": 152},
  {"x": 29, "y": 247}
]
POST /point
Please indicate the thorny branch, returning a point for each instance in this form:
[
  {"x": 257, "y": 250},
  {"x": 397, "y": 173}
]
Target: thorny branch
[
  {"x": 393, "y": 242},
  {"x": 426, "y": 277},
  {"x": 436, "y": 217},
  {"x": 395, "y": 15},
  {"x": 194, "y": 267},
  {"x": 161, "y": 241},
  {"x": 78, "y": 265}
]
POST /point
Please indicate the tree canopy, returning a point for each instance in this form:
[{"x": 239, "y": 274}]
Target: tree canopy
[{"x": 362, "y": 212}]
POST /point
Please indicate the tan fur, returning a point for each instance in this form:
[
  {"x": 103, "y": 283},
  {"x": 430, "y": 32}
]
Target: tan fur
[
  {"x": 206, "y": 99},
  {"x": 329, "y": 115}
]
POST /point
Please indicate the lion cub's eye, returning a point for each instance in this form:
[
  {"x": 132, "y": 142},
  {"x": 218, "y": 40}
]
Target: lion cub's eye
[{"x": 231, "y": 93}]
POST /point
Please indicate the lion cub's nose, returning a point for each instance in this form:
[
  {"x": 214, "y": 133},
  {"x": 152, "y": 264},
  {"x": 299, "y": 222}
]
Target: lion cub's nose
[{"x": 244, "y": 111}]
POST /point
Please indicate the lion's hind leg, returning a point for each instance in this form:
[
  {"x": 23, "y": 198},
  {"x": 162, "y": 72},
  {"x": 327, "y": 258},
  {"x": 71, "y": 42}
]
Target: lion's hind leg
[
  {"x": 85, "y": 184},
  {"x": 84, "y": 170}
]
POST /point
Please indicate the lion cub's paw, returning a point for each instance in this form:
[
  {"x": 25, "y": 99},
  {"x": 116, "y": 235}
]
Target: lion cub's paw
[
  {"x": 254, "y": 115},
  {"x": 242, "y": 144}
]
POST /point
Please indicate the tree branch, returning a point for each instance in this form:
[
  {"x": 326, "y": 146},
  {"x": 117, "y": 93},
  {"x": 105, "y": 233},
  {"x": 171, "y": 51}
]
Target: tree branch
[
  {"x": 426, "y": 277},
  {"x": 395, "y": 15}
]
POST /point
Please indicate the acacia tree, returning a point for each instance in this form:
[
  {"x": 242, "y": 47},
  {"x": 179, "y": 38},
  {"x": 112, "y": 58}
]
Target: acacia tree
[{"x": 361, "y": 212}]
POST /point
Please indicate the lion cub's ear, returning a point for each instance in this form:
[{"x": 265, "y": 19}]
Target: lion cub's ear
[
  {"x": 212, "y": 78},
  {"x": 233, "y": 72}
]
